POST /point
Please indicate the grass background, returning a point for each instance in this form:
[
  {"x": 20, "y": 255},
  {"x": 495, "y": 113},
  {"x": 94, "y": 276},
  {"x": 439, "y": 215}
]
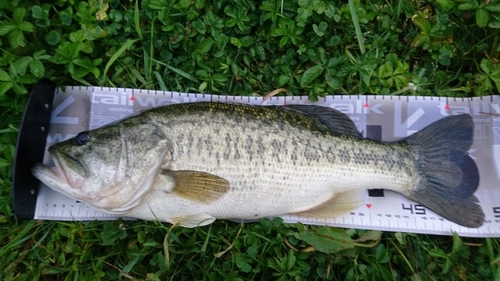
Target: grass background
[{"x": 241, "y": 47}]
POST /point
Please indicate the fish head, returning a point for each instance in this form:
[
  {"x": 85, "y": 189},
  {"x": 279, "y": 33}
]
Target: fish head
[{"x": 110, "y": 168}]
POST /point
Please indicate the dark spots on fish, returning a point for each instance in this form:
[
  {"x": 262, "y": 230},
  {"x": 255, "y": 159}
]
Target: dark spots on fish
[
  {"x": 227, "y": 147},
  {"x": 276, "y": 155},
  {"x": 190, "y": 139},
  {"x": 320, "y": 147},
  {"x": 359, "y": 157},
  {"x": 260, "y": 143},
  {"x": 276, "y": 144},
  {"x": 256, "y": 215},
  {"x": 247, "y": 143},
  {"x": 237, "y": 155},
  {"x": 180, "y": 139},
  {"x": 199, "y": 145},
  {"x": 236, "y": 145},
  {"x": 344, "y": 155},
  {"x": 330, "y": 154},
  {"x": 308, "y": 143},
  {"x": 277, "y": 148},
  {"x": 209, "y": 145},
  {"x": 393, "y": 160}
]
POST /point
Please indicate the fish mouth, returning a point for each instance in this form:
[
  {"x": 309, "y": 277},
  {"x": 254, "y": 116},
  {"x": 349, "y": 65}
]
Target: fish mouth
[
  {"x": 62, "y": 177},
  {"x": 68, "y": 169},
  {"x": 53, "y": 178}
]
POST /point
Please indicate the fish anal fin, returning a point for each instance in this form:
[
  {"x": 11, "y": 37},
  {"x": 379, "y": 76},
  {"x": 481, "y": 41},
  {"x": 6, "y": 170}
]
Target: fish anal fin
[
  {"x": 196, "y": 186},
  {"x": 339, "y": 204},
  {"x": 191, "y": 221}
]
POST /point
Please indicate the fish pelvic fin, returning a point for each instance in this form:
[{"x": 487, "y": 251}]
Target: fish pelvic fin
[
  {"x": 339, "y": 204},
  {"x": 191, "y": 221},
  {"x": 449, "y": 175}
]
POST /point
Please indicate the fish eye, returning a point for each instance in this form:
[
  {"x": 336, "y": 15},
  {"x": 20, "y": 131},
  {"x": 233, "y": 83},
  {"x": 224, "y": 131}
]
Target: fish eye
[{"x": 82, "y": 138}]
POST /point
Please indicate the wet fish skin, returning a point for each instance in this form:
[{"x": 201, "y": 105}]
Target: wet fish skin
[{"x": 194, "y": 163}]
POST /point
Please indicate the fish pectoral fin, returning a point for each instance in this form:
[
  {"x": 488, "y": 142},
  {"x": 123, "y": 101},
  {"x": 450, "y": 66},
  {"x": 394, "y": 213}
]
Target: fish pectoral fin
[
  {"x": 196, "y": 186},
  {"x": 339, "y": 204},
  {"x": 193, "y": 220}
]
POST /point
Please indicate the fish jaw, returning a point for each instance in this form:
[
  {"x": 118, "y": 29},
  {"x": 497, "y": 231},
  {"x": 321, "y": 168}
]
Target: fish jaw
[
  {"x": 67, "y": 176},
  {"x": 68, "y": 168},
  {"x": 54, "y": 178}
]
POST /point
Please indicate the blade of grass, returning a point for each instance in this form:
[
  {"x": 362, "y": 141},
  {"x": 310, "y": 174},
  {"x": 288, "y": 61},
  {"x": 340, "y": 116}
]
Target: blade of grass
[
  {"x": 178, "y": 71},
  {"x": 491, "y": 256},
  {"x": 160, "y": 81},
  {"x": 165, "y": 246},
  {"x": 83, "y": 81},
  {"x": 355, "y": 21},
  {"x": 19, "y": 239},
  {"x": 149, "y": 68},
  {"x": 136, "y": 20},
  {"x": 135, "y": 73},
  {"x": 115, "y": 56},
  {"x": 47, "y": 229},
  {"x": 147, "y": 63},
  {"x": 205, "y": 244},
  {"x": 403, "y": 256}
]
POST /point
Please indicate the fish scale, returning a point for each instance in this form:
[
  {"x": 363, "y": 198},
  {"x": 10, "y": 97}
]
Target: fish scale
[{"x": 310, "y": 150}]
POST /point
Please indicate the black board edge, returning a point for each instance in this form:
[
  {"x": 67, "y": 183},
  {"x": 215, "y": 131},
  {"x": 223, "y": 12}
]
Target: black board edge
[{"x": 30, "y": 148}]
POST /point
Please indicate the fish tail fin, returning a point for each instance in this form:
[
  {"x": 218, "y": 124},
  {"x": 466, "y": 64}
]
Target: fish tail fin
[{"x": 450, "y": 176}]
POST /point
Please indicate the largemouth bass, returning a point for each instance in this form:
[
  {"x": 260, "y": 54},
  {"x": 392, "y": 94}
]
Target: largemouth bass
[{"x": 192, "y": 163}]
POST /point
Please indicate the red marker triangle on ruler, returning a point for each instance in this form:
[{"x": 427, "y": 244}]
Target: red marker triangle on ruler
[
  {"x": 447, "y": 106},
  {"x": 368, "y": 205},
  {"x": 366, "y": 105},
  {"x": 132, "y": 98}
]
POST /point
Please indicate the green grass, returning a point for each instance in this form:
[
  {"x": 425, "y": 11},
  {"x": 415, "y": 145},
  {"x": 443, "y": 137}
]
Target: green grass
[
  {"x": 119, "y": 250},
  {"x": 241, "y": 47}
]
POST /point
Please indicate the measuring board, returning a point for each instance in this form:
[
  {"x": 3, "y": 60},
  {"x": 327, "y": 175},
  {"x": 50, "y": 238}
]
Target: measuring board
[{"x": 65, "y": 113}]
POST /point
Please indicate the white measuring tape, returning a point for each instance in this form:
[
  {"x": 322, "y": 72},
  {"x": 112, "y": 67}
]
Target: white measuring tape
[{"x": 386, "y": 118}]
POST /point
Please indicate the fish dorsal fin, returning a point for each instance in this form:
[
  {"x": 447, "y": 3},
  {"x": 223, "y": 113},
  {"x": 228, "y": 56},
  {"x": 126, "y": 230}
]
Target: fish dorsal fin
[
  {"x": 193, "y": 185},
  {"x": 336, "y": 121},
  {"x": 339, "y": 204},
  {"x": 193, "y": 220}
]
